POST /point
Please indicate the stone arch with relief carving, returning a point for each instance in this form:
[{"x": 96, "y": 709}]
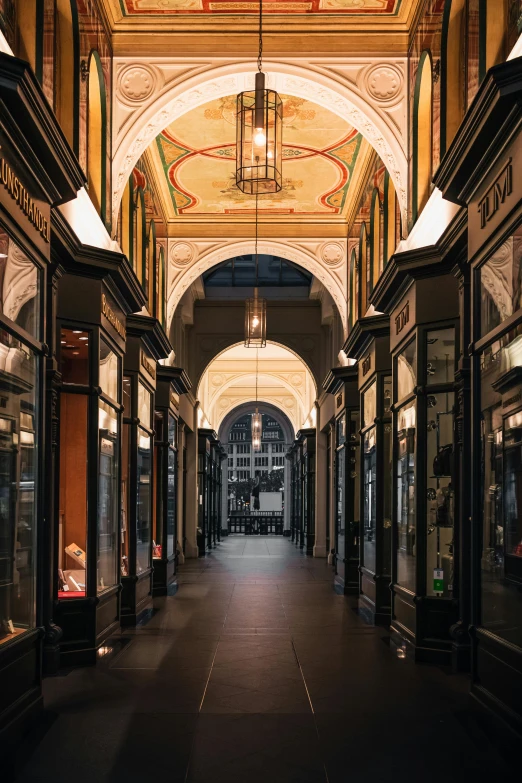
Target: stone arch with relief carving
[
  {"x": 369, "y": 103},
  {"x": 299, "y": 256}
]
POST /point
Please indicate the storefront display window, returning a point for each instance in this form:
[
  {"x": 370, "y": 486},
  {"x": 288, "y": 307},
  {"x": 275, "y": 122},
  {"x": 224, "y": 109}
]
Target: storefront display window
[
  {"x": 19, "y": 286},
  {"x": 387, "y": 476},
  {"x": 74, "y": 356},
  {"x": 109, "y": 371},
  {"x": 406, "y": 370},
  {"x": 107, "y": 571},
  {"x": 172, "y": 484},
  {"x": 73, "y": 497},
  {"x": 370, "y": 405},
  {"x": 126, "y": 441},
  {"x": 370, "y": 499},
  {"x": 144, "y": 405},
  {"x": 501, "y": 282},
  {"x": 440, "y": 356},
  {"x": 143, "y": 510},
  {"x": 501, "y": 550},
  {"x": 440, "y": 495},
  {"x": 18, "y": 490},
  {"x": 406, "y": 517}
]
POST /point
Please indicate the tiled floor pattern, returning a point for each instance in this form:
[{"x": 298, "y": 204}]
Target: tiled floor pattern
[{"x": 257, "y": 672}]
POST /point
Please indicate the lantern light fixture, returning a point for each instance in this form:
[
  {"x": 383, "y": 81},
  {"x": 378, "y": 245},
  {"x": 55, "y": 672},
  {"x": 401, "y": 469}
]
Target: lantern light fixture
[
  {"x": 259, "y": 133},
  {"x": 257, "y": 418},
  {"x": 255, "y": 308}
]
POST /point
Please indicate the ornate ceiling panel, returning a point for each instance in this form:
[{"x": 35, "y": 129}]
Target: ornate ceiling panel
[
  {"x": 197, "y": 155},
  {"x": 240, "y": 7}
]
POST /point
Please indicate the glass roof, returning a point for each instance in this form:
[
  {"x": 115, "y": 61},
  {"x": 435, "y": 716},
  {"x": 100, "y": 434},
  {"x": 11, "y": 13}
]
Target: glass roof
[{"x": 240, "y": 272}]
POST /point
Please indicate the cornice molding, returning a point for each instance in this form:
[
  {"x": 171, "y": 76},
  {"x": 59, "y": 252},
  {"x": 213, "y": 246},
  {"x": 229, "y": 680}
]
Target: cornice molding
[
  {"x": 73, "y": 257},
  {"x": 32, "y": 124},
  {"x": 151, "y": 332},
  {"x": 338, "y": 376},
  {"x": 404, "y": 268},
  {"x": 364, "y": 331},
  {"x": 176, "y": 376}
]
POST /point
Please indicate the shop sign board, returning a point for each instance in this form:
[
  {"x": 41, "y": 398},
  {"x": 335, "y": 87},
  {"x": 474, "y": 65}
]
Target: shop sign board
[{"x": 21, "y": 199}]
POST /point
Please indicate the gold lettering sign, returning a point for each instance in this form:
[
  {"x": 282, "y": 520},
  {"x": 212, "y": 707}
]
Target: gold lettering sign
[
  {"x": 112, "y": 318},
  {"x": 148, "y": 366},
  {"x": 18, "y": 192},
  {"x": 491, "y": 202},
  {"x": 366, "y": 365},
  {"x": 402, "y": 318},
  {"x": 174, "y": 399}
]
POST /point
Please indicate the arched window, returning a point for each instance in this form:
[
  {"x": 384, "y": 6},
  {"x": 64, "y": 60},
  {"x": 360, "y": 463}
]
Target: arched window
[
  {"x": 364, "y": 271},
  {"x": 161, "y": 291},
  {"x": 422, "y": 135},
  {"x": 139, "y": 233},
  {"x": 493, "y": 33},
  {"x": 453, "y": 87},
  {"x": 97, "y": 134},
  {"x": 150, "y": 267},
  {"x": 125, "y": 221},
  {"x": 354, "y": 289},
  {"x": 67, "y": 78},
  {"x": 27, "y": 24},
  {"x": 375, "y": 239},
  {"x": 390, "y": 221}
]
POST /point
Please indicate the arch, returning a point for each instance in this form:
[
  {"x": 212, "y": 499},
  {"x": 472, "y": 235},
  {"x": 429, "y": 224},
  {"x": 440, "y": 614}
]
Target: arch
[
  {"x": 269, "y": 342},
  {"x": 67, "y": 81},
  {"x": 139, "y": 230},
  {"x": 422, "y": 135},
  {"x": 160, "y": 287},
  {"x": 364, "y": 271},
  {"x": 265, "y": 247},
  {"x": 125, "y": 222},
  {"x": 354, "y": 289},
  {"x": 27, "y": 18},
  {"x": 263, "y": 407},
  {"x": 301, "y": 81},
  {"x": 97, "y": 134},
  {"x": 150, "y": 268},
  {"x": 375, "y": 238},
  {"x": 452, "y": 85},
  {"x": 390, "y": 237}
]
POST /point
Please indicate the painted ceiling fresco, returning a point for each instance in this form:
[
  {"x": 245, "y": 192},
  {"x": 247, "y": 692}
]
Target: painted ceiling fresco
[
  {"x": 198, "y": 152},
  {"x": 240, "y": 7}
]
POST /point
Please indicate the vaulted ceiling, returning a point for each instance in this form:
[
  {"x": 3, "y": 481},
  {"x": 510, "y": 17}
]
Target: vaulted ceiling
[
  {"x": 194, "y": 164},
  {"x": 174, "y": 7}
]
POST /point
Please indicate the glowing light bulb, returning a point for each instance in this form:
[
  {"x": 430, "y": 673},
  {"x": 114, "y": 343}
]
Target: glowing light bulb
[
  {"x": 255, "y": 322},
  {"x": 269, "y": 154},
  {"x": 259, "y": 138}
]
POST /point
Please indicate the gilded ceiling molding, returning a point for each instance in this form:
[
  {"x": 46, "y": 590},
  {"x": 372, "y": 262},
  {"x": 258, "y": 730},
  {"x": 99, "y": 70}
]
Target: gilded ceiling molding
[
  {"x": 369, "y": 95},
  {"x": 180, "y": 282}
]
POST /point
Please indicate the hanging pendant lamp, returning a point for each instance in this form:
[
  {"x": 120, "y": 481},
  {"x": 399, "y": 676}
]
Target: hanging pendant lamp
[
  {"x": 259, "y": 133},
  {"x": 257, "y": 419},
  {"x": 255, "y": 309}
]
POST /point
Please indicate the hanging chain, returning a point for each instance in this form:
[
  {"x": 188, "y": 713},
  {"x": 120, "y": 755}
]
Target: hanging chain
[
  {"x": 257, "y": 366},
  {"x": 257, "y": 196},
  {"x": 260, "y": 55}
]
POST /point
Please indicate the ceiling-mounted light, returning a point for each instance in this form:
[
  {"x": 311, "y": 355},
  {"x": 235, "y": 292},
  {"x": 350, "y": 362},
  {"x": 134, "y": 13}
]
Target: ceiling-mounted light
[
  {"x": 257, "y": 418},
  {"x": 259, "y": 135},
  {"x": 255, "y": 310}
]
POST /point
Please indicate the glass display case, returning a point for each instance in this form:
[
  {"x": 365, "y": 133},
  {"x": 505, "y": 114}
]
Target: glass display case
[
  {"x": 88, "y": 498},
  {"x": 309, "y": 457},
  {"x": 18, "y": 486},
  {"x": 138, "y": 479},
  {"x": 347, "y": 477},
  {"x": 424, "y": 363},
  {"x": 165, "y": 515},
  {"x": 369, "y": 345}
]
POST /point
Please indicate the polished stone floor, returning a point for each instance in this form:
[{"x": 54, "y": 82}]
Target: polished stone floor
[{"x": 257, "y": 672}]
